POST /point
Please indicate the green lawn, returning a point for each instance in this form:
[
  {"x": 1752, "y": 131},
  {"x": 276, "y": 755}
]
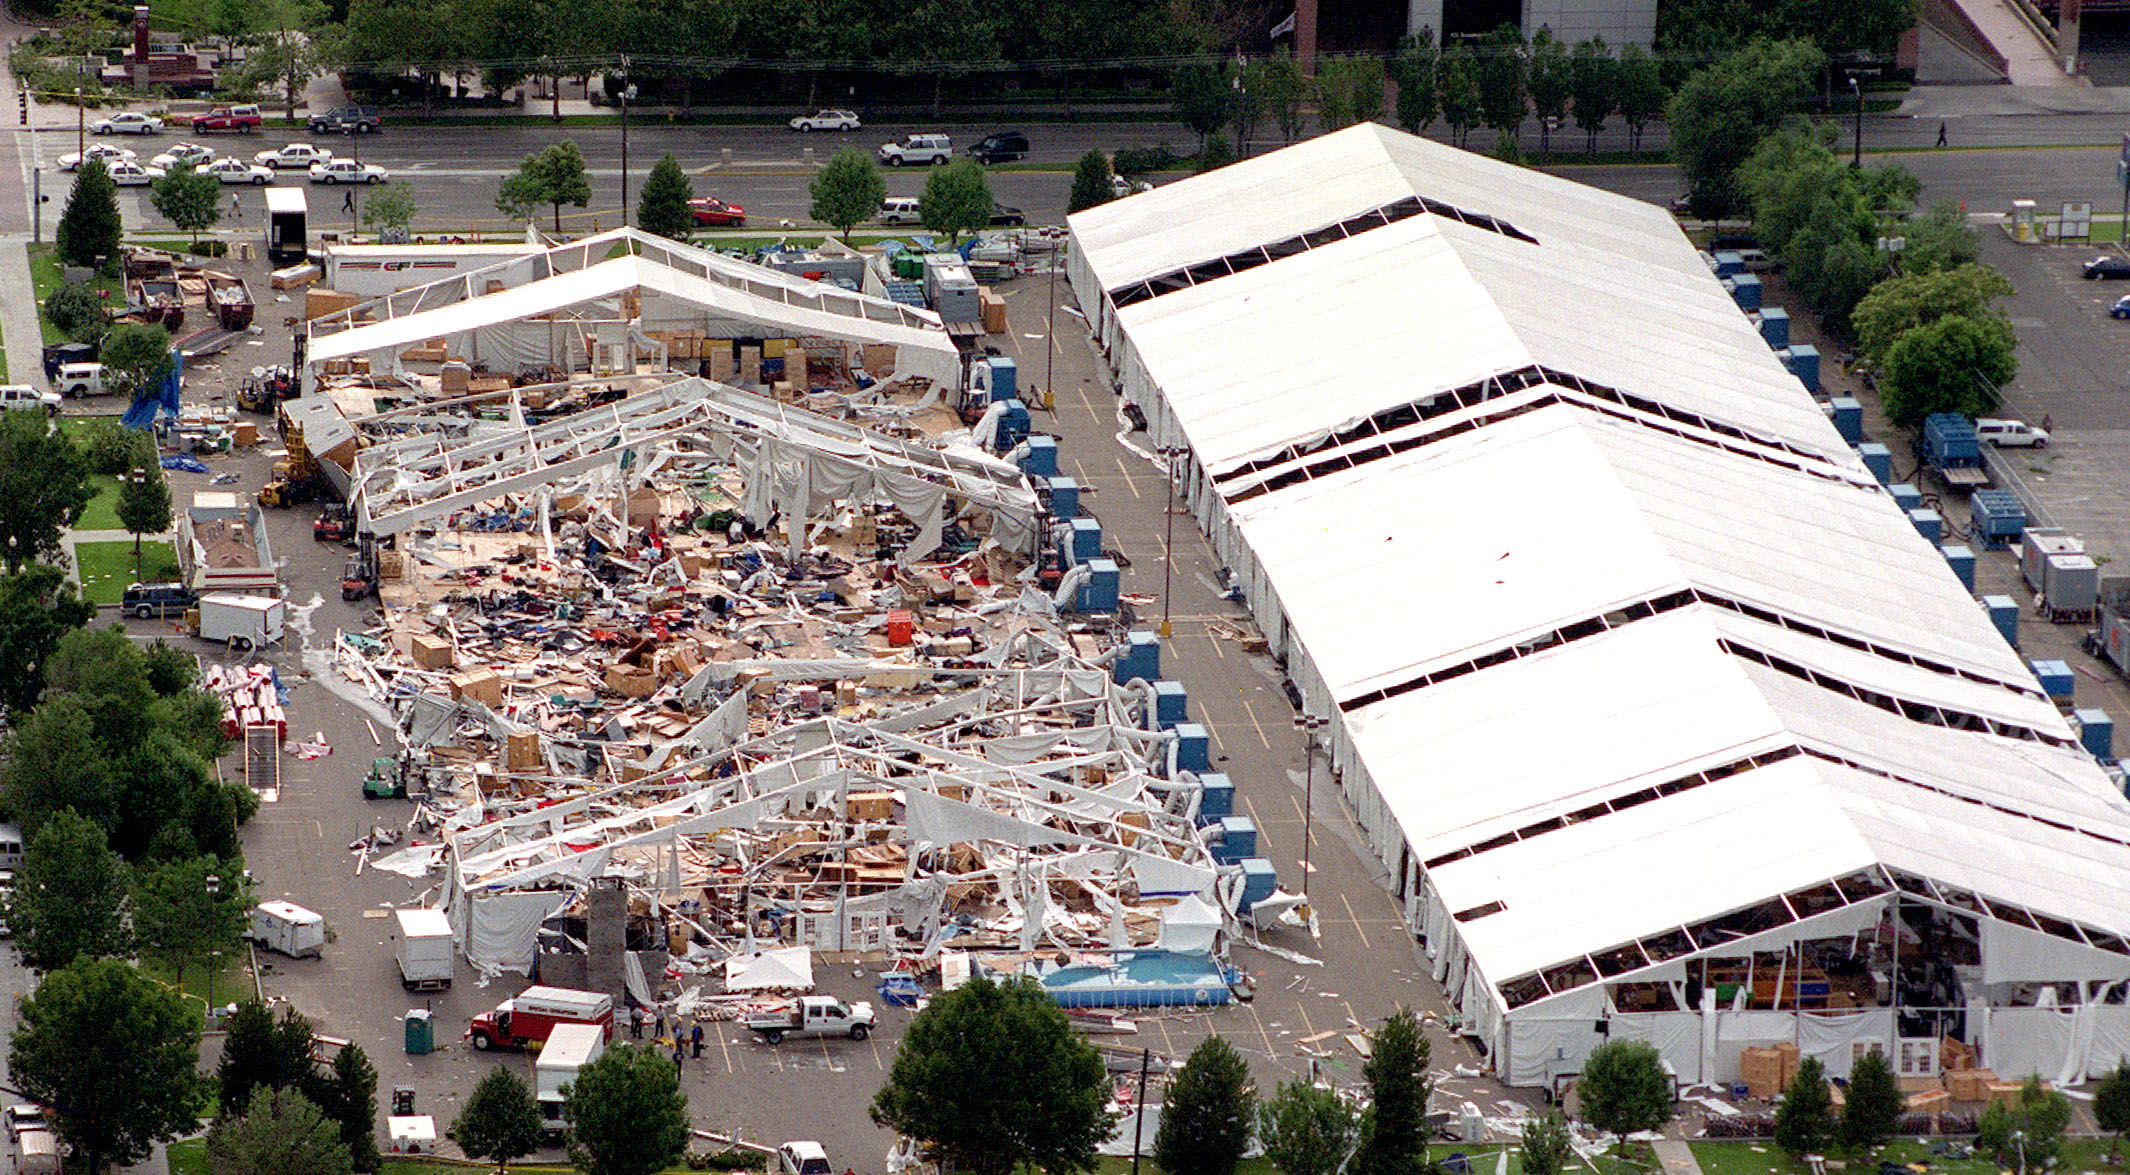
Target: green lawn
[
  {"x": 44, "y": 275},
  {"x": 106, "y": 568},
  {"x": 102, "y": 511},
  {"x": 2082, "y": 1154},
  {"x": 189, "y": 1157}
]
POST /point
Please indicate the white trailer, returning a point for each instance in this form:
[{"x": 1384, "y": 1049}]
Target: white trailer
[
  {"x": 425, "y": 950},
  {"x": 242, "y": 622},
  {"x": 287, "y": 928},
  {"x": 569, "y": 1048}
]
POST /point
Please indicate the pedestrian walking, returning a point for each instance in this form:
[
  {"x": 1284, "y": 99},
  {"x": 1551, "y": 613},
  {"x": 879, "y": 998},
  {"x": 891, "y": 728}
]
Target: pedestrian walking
[
  {"x": 695, "y": 1039},
  {"x": 1941, "y": 134},
  {"x": 678, "y": 1063},
  {"x": 236, "y": 204},
  {"x": 347, "y": 198},
  {"x": 636, "y": 1021}
]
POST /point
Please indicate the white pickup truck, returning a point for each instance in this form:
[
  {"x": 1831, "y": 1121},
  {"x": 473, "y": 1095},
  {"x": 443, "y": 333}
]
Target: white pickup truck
[{"x": 813, "y": 1015}]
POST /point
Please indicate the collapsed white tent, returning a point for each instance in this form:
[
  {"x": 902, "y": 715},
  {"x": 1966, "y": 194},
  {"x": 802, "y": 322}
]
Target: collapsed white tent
[
  {"x": 1631, "y": 668},
  {"x": 786, "y": 968}
]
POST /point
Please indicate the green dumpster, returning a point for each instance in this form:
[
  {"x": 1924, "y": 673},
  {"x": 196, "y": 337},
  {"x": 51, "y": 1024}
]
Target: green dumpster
[{"x": 421, "y": 1032}]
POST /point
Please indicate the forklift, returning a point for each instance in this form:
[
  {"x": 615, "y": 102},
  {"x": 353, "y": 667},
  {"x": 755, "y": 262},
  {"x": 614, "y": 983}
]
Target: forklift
[
  {"x": 333, "y": 524},
  {"x": 358, "y": 580},
  {"x": 296, "y": 477},
  {"x": 386, "y": 780}
]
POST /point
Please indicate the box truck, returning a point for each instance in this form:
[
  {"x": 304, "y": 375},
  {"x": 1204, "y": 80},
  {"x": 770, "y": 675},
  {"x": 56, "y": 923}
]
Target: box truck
[
  {"x": 425, "y": 950},
  {"x": 569, "y": 1048},
  {"x": 241, "y": 622},
  {"x": 533, "y": 1013},
  {"x": 287, "y": 928}
]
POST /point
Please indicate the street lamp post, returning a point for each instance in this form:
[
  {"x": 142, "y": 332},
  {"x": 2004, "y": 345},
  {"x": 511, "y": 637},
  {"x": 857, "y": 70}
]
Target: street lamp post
[
  {"x": 213, "y": 887},
  {"x": 81, "y": 126},
  {"x": 1309, "y": 725},
  {"x": 628, "y": 91},
  {"x": 138, "y": 477},
  {"x": 1169, "y": 453},
  {"x": 1856, "y": 158}
]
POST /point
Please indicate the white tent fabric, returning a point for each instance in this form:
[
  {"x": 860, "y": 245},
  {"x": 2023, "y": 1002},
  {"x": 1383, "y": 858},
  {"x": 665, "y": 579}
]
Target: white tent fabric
[
  {"x": 785, "y": 968},
  {"x": 1191, "y": 926}
]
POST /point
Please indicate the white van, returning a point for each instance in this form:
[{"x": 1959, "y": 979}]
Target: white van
[
  {"x": 288, "y": 928},
  {"x": 11, "y": 847},
  {"x": 2010, "y": 434},
  {"x": 900, "y": 210},
  {"x": 36, "y": 1153}
]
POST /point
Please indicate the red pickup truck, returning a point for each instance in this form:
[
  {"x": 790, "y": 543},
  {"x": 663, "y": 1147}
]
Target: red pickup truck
[{"x": 242, "y": 119}]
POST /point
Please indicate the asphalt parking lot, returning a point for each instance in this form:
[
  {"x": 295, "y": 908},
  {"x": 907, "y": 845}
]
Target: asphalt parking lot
[{"x": 1362, "y": 966}]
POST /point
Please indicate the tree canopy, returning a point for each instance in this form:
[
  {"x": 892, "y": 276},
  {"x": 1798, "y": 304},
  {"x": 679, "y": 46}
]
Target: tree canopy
[
  {"x": 114, "y": 1054},
  {"x": 626, "y": 1114},
  {"x": 279, "y": 1133},
  {"x": 1547, "y": 1147},
  {"x": 261, "y": 1050},
  {"x": 90, "y": 228},
  {"x": 187, "y": 198},
  {"x": 2027, "y": 1132},
  {"x": 1722, "y": 113},
  {"x": 37, "y": 607},
  {"x": 2111, "y": 1102},
  {"x": 1624, "y": 1088},
  {"x": 1307, "y": 1130},
  {"x": 500, "y": 1120},
  {"x": 1043, "y": 1100},
  {"x": 1091, "y": 183},
  {"x": 554, "y": 176},
  {"x": 191, "y": 909},
  {"x": 44, "y": 487},
  {"x": 1394, "y": 1131},
  {"x": 1900, "y": 304},
  {"x": 137, "y": 359},
  {"x": 1951, "y": 365},
  {"x": 663, "y": 206},
  {"x": 389, "y": 207},
  {"x": 1205, "y": 1122},
  {"x": 956, "y": 199},
  {"x": 1875, "y": 1103},
  {"x": 1804, "y": 1121},
  {"x": 69, "y": 897},
  {"x": 847, "y": 191}
]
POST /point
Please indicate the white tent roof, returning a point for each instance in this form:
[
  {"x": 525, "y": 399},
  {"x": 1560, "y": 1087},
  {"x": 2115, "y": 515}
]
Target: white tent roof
[{"x": 786, "y": 967}]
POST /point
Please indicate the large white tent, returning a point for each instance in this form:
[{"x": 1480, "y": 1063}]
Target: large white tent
[{"x": 1636, "y": 678}]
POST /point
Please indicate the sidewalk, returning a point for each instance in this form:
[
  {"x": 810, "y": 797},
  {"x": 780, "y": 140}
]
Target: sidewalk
[
  {"x": 19, "y": 331},
  {"x": 1675, "y": 1156}
]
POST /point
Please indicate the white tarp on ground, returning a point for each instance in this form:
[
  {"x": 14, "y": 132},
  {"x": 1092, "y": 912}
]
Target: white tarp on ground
[{"x": 787, "y": 968}]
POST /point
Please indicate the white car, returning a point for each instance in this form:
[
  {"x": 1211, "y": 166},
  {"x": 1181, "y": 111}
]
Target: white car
[
  {"x": 1120, "y": 186},
  {"x": 13, "y": 396},
  {"x": 803, "y": 1158},
  {"x": 294, "y": 155},
  {"x": 236, "y": 171},
  {"x": 184, "y": 153},
  {"x": 348, "y": 171},
  {"x": 23, "y": 1116},
  {"x": 129, "y": 123},
  {"x": 128, "y": 174},
  {"x": 100, "y": 153},
  {"x": 826, "y": 120}
]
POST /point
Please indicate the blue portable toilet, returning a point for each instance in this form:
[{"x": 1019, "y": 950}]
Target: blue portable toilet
[
  {"x": 1878, "y": 459},
  {"x": 2096, "y": 732},
  {"x": 1962, "y": 561},
  {"x": 1775, "y": 326},
  {"x": 1848, "y": 414},
  {"x": 2004, "y": 613}
]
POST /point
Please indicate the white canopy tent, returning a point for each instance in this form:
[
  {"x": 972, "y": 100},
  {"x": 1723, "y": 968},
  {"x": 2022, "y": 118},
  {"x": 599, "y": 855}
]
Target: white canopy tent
[{"x": 787, "y": 968}]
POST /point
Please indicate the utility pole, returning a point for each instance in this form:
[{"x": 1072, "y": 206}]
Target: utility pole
[
  {"x": 628, "y": 91},
  {"x": 1309, "y": 725},
  {"x": 1169, "y": 453}
]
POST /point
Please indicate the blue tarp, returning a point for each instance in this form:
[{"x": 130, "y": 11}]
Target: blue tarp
[
  {"x": 183, "y": 464},
  {"x": 143, "y": 412}
]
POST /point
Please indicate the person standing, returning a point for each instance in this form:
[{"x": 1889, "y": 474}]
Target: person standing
[
  {"x": 695, "y": 1039},
  {"x": 661, "y": 1032},
  {"x": 678, "y": 1054},
  {"x": 636, "y": 1021}
]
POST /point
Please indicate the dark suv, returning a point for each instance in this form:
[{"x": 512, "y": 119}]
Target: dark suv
[
  {"x": 347, "y": 120},
  {"x": 1000, "y": 147},
  {"x": 145, "y": 600}
]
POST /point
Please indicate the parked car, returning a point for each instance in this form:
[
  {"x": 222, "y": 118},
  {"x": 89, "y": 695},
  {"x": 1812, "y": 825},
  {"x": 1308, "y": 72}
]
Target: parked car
[
  {"x": 2110, "y": 268},
  {"x": 1009, "y": 217},
  {"x": 241, "y": 119},
  {"x": 23, "y": 1116},
  {"x": 900, "y": 210},
  {"x": 803, "y": 1158},
  {"x": 920, "y": 148},
  {"x": 826, "y": 120},
  {"x": 348, "y": 171},
  {"x": 237, "y": 171},
  {"x": 128, "y": 174},
  {"x": 145, "y": 600},
  {"x": 130, "y": 122},
  {"x": 294, "y": 155},
  {"x": 184, "y": 154},
  {"x": 102, "y": 153},
  {"x": 2121, "y": 309},
  {"x": 1122, "y": 186},
  {"x": 2010, "y": 434},
  {"x": 999, "y": 147},
  {"x": 347, "y": 120},
  {"x": 709, "y": 210},
  {"x": 13, "y": 396},
  {"x": 76, "y": 380}
]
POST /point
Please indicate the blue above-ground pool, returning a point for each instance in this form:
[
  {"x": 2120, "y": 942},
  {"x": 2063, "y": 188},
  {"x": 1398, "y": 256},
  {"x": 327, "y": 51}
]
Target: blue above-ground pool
[{"x": 1141, "y": 979}]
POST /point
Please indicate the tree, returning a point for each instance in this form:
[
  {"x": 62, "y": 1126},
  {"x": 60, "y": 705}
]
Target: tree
[
  {"x": 143, "y": 507},
  {"x": 1593, "y": 86},
  {"x": 1092, "y": 183},
  {"x": 37, "y": 607},
  {"x": 389, "y": 207},
  {"x": 1275, "y": 83},
  {"x": 113, "y": 1054},
  {"x": 1204, "y": 100},
  {"x": 262, "y": 1051},
  {"x": 1876, "y": 1102},
  {"x": 182, "y": 918},
  {"x": 78, "y": 309},
  {"x": 1394, "y": 1131},
  {"x": 847, "y": 191},
  {"x": 2111, "y": 1103},
  {"x": 1939, "y": 239},
  {"x": 1641, "y": 95},
  {"x": 626, "y": 1114},
  {"x": 1718, "y": 118},
  {"x": 1042, "y": 1100},
  {"x": 663, "y": 207},
  {"x": 69, "y": 897},
  {"x": 351, "y": 1100},
  {"x": 1546, "y": 1146},
  {"x": 1460, "y": 92},
  {"x": 1216, "y": 154},
  {"x": 1804, "y": 1122},
  {"x": 1503, "y": 98},
  {"x": 1900, "y": 304},
  {"x": 1624, "y": 1089},
  {"x": 279, "y": 1133},
  {"x": 1307, "y": 1130},
  {"x": 189, "y": 199},
  {"x": 90, "y": 228},
  {"x": 1551, "y": 84},
  {"x": 137, "y": 359},
  {"x": 44, "y": 486},
  {"x": 1951, "y": 365},
  {"x": 500, "y": 1121},
  {"x": 553, "y": 177},
  {"x": 956, "y": 199},
  {"x": 2027, "y": 1133},
  {"x": 1349, "y": 90},
  {"x": 1414, "y": 68},
  {"x": 1205, "y": 1123}
]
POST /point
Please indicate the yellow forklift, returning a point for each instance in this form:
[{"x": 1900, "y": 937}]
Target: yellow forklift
[{"x": 296, "y": 477}]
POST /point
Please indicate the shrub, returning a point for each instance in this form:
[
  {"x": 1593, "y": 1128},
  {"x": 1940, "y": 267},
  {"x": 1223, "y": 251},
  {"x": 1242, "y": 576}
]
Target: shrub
[
  {"x": 1741, "y": 1126},
  {"x": 77, "y": 309},
  {"x": 1138, "y": 160},
  {"x": 112, "y": 448},
  {"x": 208, "y": 248}
]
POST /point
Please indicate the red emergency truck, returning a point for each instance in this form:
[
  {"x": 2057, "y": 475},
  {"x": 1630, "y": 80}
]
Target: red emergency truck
[{"x": 528, "y": 1017}]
